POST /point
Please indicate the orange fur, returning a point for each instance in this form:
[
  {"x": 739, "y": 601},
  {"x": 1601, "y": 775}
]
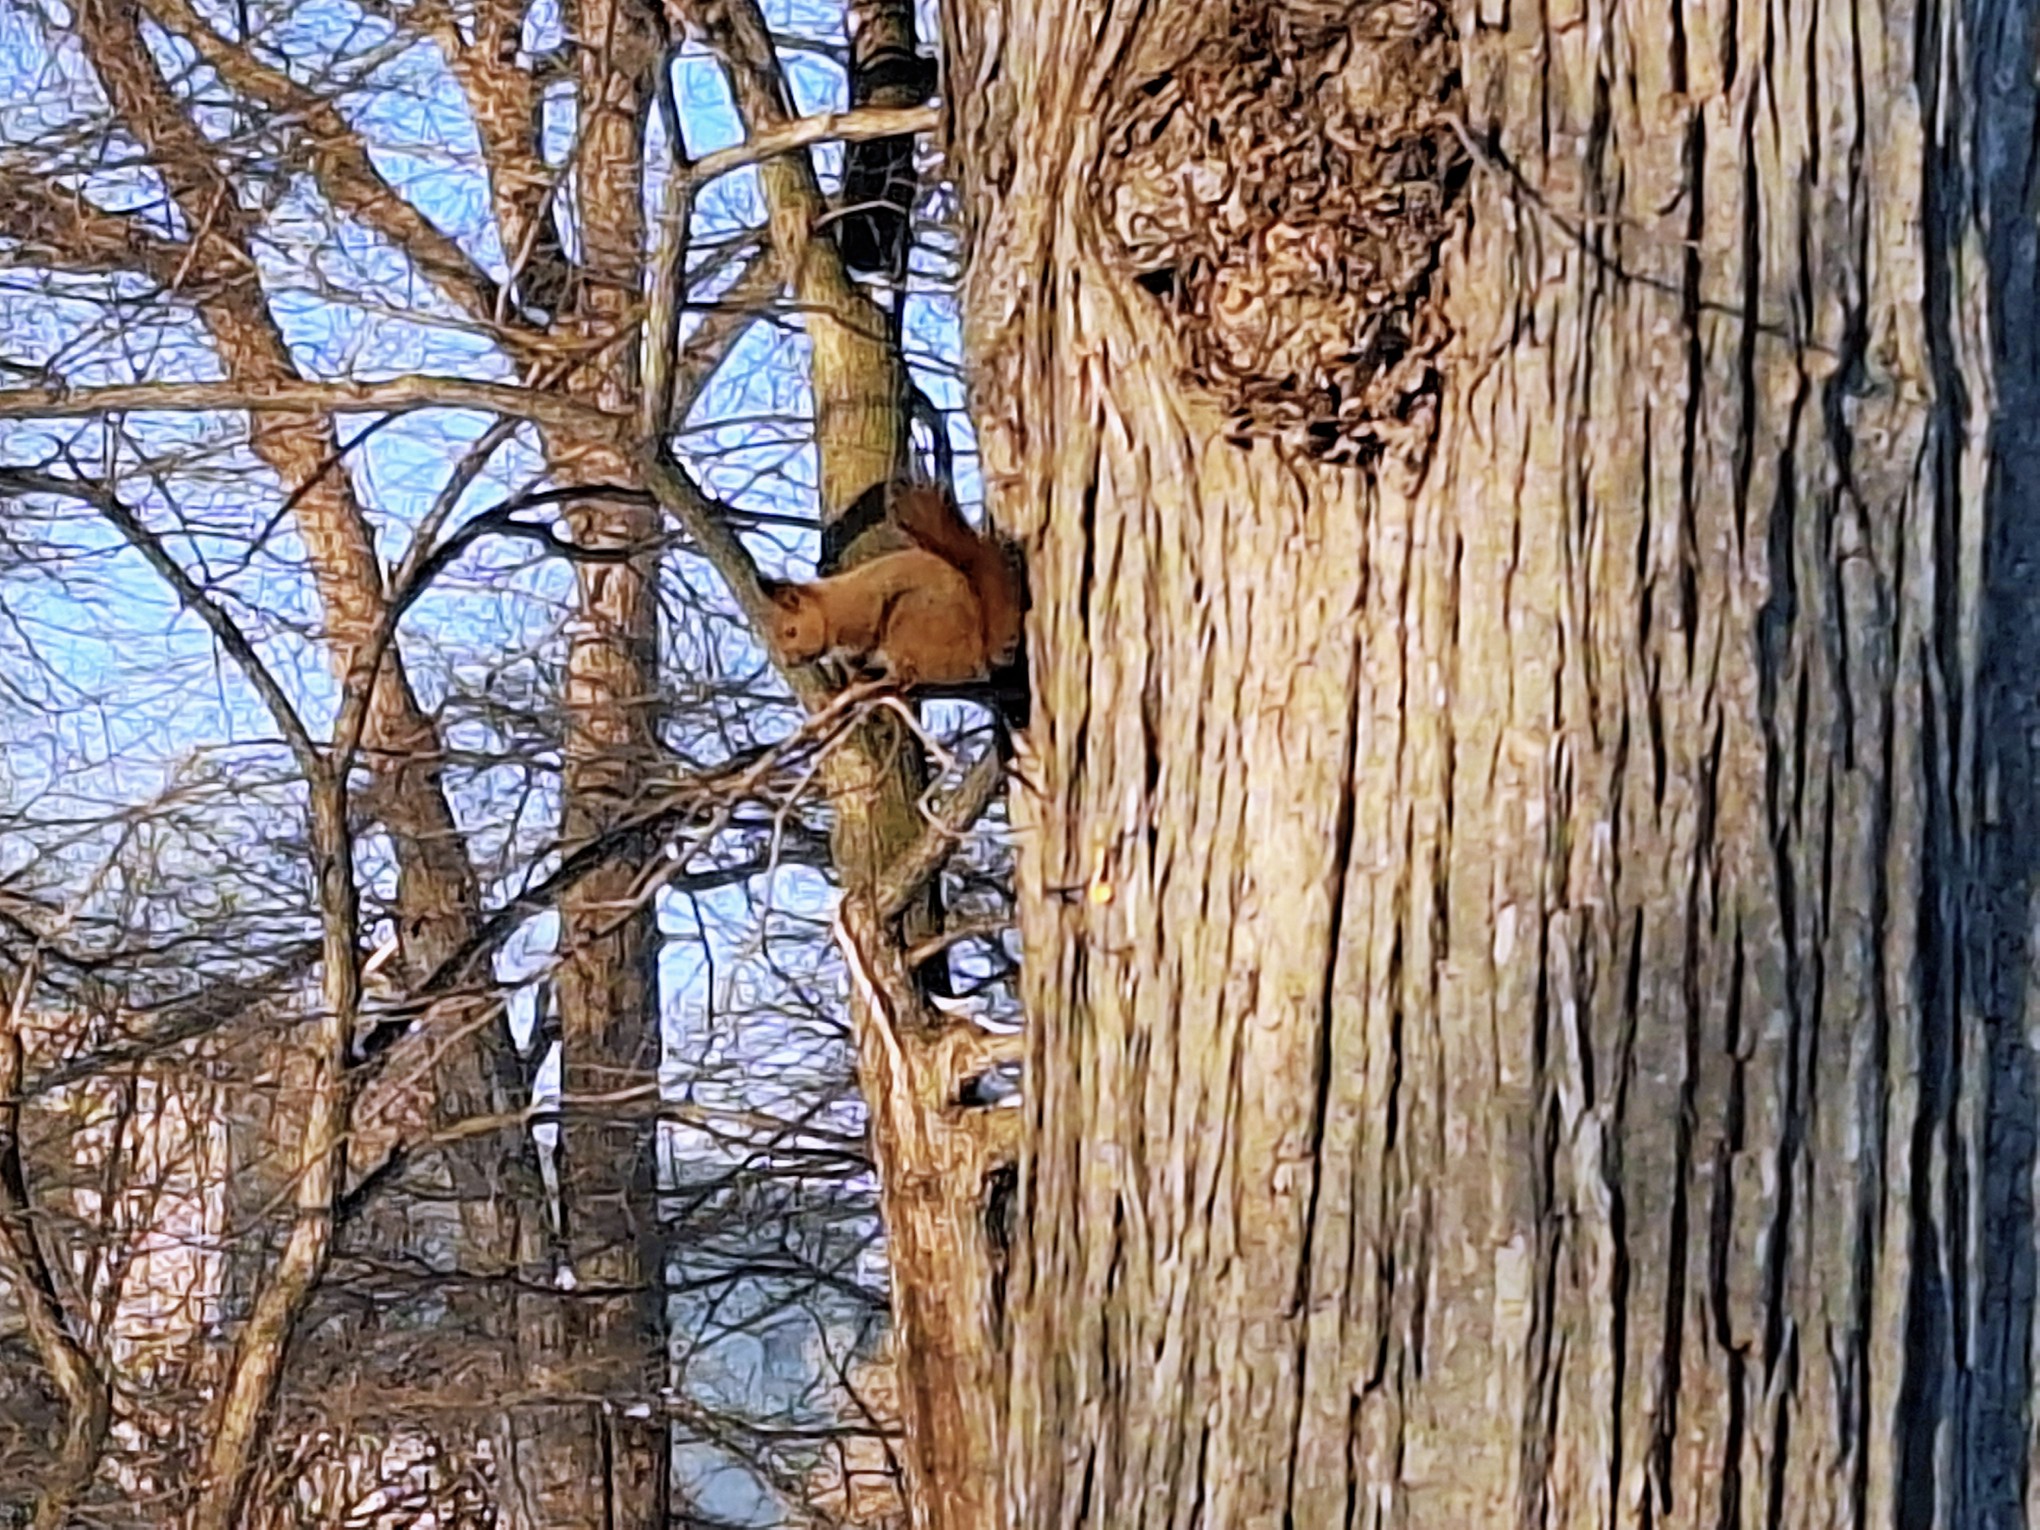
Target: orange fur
[
  {"x": 928, "y": 515},
  {"x": 912, "y": 612},
  {"x": 945, "y": 612}
]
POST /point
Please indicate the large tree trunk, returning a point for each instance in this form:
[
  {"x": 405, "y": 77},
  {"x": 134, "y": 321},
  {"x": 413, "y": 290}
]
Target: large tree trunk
[{"x": 1528, "y": 950}]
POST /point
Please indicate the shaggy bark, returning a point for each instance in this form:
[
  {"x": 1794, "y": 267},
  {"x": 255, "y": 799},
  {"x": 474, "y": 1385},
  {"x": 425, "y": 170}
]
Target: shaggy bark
[{"x": 1527, "y": 951}]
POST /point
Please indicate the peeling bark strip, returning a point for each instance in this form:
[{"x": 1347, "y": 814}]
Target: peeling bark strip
[
  {"x": 1286, "y": 190},
  {"x": 1550, "y": 1039}
]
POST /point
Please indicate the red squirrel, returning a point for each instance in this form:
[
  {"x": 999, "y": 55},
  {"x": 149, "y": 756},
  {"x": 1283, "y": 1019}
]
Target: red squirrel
[{"x": 944, "y": 612}]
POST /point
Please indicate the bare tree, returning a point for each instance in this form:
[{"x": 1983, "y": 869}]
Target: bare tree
[{"x": 215, "y": 179}]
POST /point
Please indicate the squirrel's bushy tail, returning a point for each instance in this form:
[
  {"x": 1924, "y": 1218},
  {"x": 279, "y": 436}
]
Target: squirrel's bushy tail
[{"x": 928, "y": 515}]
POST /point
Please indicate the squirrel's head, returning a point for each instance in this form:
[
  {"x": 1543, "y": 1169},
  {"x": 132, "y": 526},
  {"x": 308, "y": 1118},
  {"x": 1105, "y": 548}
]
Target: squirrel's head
[{"x": 798, "y": 631}]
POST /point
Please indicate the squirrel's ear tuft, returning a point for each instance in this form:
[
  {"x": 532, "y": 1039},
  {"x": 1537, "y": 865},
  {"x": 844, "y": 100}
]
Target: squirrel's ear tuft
[{"x": 774, "y": 590}]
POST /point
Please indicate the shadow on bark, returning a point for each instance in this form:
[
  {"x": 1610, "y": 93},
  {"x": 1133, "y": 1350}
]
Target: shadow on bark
[{"x": 1969, "y": 1330}]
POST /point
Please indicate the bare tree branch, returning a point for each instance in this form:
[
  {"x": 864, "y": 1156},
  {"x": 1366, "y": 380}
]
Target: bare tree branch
[
  {"x": 341, "y": 163},
  {"x": 128, "y": 522},
  {"x": 865, "y": 122},
  {"x": 291, "y": 396},
  {"x": 186, "y": 1019},
  {"x": 905, "y": 877},
  {"x": 724, "y": 325},
  {"x": 58, "y": 227}
]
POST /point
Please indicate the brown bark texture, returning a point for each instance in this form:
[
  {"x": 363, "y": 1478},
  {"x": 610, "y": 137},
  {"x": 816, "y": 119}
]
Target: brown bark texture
[{"x": 1529, "y": 912}]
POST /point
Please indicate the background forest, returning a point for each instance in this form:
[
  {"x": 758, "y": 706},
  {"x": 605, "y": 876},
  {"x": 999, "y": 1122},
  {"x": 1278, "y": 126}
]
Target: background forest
[{"x": 425, "y": 1089}]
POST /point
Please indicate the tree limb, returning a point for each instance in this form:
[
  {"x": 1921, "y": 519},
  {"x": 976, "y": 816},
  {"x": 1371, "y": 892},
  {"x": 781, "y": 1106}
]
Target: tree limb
[
  {"x": 295, "y": 396},
  {"x": 905, "y": 877},
  {"x": 341, "y": 164},
  {"x": 181, "y": 1020},
  {"x": 193, "y": 597},
  {"x": 858, "y": 125},
  {"x": 60, "y": 227}
]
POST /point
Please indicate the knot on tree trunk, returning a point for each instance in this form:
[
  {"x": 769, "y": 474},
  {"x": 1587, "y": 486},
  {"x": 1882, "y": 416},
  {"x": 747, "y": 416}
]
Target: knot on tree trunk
[{"x": 1286, "y": 190}]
